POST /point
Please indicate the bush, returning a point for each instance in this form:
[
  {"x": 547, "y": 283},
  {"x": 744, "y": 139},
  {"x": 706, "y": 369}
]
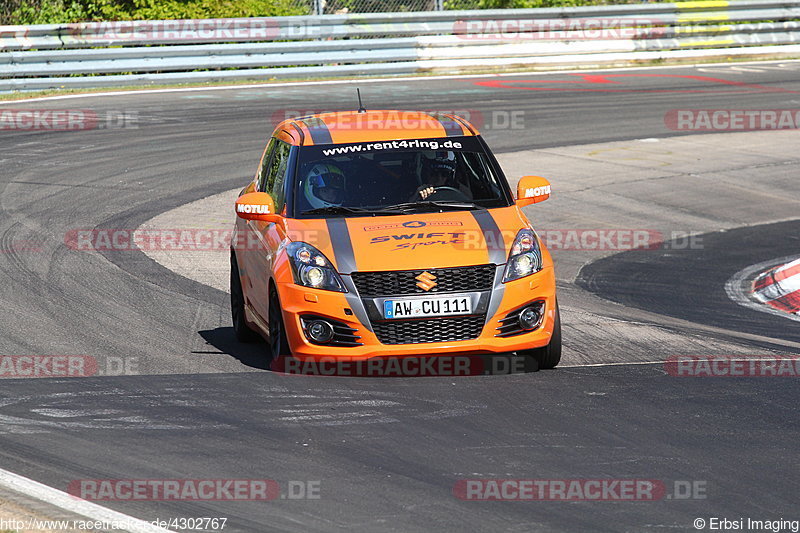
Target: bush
[
  {"x": 515, "y": 4},
  {"x": 63, "y": 11}
]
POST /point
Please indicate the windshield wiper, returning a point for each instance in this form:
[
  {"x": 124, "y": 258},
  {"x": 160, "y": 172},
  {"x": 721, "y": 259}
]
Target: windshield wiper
[
  {"x": 344, "y": 210},
  {"x": 395, "y": 209},
  {"x": 432, "y": 204}
]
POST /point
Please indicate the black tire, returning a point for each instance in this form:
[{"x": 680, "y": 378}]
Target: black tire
[
  {"x": 277, "y": 344},
  {"x": 240, "y": 327},
  {"x": 549, "y": 356}
]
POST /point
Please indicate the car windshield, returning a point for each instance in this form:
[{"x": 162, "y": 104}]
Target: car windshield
[{"x": 396, "y": 177}]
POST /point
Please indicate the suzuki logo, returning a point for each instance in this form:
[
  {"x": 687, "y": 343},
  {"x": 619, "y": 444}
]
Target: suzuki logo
[{"x": 426, "y": 281}]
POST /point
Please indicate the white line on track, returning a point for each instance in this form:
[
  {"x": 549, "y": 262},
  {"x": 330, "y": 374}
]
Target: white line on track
[
  {"x": 747, "y": 70},
  {"x": 591, "y": 365},
  {"x": 72, "y": 504},
  {"x": 739, "y": 357},
  {"x": 379, "y": 80}
]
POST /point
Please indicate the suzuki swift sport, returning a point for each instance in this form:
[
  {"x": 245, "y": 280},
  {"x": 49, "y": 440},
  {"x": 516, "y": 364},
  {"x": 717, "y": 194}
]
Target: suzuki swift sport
[{"x": 390, "y": 233}]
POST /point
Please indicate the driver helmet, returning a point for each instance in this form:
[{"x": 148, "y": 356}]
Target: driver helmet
[
  {"x": 324, "y": 186},
  {"x": 441, "y": 166}
]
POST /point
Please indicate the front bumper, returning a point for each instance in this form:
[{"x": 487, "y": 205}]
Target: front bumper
[{"x": 353, "y": 312}]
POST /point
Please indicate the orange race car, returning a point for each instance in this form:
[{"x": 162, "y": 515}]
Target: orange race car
[{"x": 390, "y": 233}]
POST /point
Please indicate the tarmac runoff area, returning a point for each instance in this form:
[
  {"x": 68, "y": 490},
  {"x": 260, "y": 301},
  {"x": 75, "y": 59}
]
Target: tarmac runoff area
[{"x": 672, "y": 189}]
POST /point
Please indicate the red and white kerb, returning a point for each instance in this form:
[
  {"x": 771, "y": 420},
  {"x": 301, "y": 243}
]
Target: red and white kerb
[{"x": 779, "y": 287}]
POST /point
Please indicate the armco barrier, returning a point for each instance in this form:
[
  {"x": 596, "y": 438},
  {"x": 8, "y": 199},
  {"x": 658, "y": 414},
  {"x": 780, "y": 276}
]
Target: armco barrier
[{"x": 187, "y": 51}]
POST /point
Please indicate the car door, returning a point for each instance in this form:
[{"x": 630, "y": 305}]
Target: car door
[{"x": 271, "y": 180}]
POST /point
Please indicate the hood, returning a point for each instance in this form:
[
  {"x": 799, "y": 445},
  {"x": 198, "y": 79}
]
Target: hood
[{"x": 412, "y": 242}]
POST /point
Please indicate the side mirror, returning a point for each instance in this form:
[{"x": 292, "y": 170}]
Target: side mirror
[
  {"x": 532, "y": 190},
  {"x": 257, "y": 206}
]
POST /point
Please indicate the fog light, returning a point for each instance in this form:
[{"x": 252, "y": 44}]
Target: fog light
[
  {"x": 319, "y": 331},
  {"x": 529, "y": 318}
]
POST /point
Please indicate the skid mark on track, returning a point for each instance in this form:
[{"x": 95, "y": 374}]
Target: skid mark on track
[
  {"x": 177, "y": 408},
  {"x": 348, "y": 408}
]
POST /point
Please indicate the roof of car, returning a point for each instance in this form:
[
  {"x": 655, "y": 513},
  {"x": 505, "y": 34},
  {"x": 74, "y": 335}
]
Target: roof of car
[{"x": 366, "y": 126}]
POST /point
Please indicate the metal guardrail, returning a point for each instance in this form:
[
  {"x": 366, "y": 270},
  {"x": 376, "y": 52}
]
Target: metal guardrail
[{"x": 185, "y": 51}]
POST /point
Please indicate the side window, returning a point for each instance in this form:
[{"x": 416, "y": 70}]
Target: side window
[
  {"x": 261, "y": 177},
  {"x": 275, "y": 174}
]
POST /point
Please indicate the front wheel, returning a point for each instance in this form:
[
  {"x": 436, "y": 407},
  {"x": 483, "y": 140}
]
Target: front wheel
[
  {"x": 548, "y": 356},
  {"x": 277, "y": 345},
  {"x": 240, "y": 327}
]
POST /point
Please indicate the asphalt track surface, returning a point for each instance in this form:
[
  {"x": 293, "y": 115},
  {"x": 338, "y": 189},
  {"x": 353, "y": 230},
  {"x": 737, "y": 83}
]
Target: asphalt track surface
[
  {"x": 701, "y": 276},
  {"x": 386, "y": 452}
]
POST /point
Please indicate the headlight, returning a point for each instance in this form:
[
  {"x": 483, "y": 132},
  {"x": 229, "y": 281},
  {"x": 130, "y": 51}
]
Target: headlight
[
  {"x": 312, "y": 269},
  {"x": 525, "y": 257}
]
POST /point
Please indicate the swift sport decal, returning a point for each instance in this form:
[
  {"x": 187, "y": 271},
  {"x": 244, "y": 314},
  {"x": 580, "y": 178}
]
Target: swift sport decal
[{"x": 420, "y": 239}]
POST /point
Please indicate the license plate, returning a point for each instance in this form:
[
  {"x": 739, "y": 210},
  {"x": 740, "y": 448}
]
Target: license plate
[{"x": 420, "y": 307}]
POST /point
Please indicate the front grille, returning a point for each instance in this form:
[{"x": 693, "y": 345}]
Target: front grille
[
  {"x": 440, "y": 329},
  {"x": 402, "y": 282}
]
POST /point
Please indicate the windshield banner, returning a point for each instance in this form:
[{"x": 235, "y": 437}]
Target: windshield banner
[{"x": 465, "y": 144}]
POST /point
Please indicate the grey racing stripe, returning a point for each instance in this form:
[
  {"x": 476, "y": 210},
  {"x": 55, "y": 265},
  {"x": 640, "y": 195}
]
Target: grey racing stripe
[
  {"x": 343, "y": 253},
  {"x": 452, "y": 127},
  {"x": 492, "y": 235},
  {"x": 497, "y": 255},
  {"x": 356, "y": 303},
  {"x": 497, "y": 294},
  {"x": 319, "y": 131},
  {"x": 346, "y": 263}
]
